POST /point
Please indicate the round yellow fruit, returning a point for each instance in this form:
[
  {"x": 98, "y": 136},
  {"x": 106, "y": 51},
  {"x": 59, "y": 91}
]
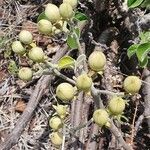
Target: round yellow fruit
[
  {"x": 44, "y": 26},
  {"x": 18, "y": 48},
  {"x": 97, "y": 61},
  {"x": 52, "y": 13},
  {"x": 36, "y": 54},
  {"x": 56, "y": 138},
  {"x": 116, "y": 105},
  {"x": 73, "y": 3},
  {"x": 65, "y": 92},
  {"x": 84, "y": 82},
  {"x": 55, "y": 123},
  {"x": 25, "y": 37},
  {"x": 25, "y": 74},
  {"x": 132, "y": 84},
  {"x": 100, "y": 117},
  {"x": 66, "y": 11}
]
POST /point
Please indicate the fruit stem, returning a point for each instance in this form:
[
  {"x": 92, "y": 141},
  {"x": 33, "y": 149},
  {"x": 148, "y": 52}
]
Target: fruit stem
[
  {"x": 64, "y": 137},
  {"x": 110, "y": 93}
]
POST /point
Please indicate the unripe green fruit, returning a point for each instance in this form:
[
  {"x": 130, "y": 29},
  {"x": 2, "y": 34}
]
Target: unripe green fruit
[
  {"x": 36, "y": 54},
  {"x": 55, "y": 123},
  {"x": 44, "y": 26},
  {"x": 18, "y": 48},
  {"x": 61, "y": 110},
  {"x": 100, "y": 117},
  {"x": 84, "y": 82},
  {"x": 25, "y": 74},
  {"x": 25, "y": 37},
  {"x": 73, "y": 3},
  {"x": 65, "y": 92},
  {"x": 116, "y": 105},
  {"x": 66, "y": 11},
  {"x": 132, "y": 84},
  {"x": 97, "y": 61},
  {"x": 52, "y": 13},
  {"x": 56, "y": 138}
]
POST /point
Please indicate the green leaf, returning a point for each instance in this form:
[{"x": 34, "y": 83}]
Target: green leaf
[
  {"x": 71, "y": 41},
  {"x": 66, "y": 62},
  {"x": 142, "y": 51},
  {"x": 12, "y": 67},
  {"x": 42, "y": 16},
  {"x": 130, "y": 2},
  {"x": 145, "y": 37},
  {"x": 80, "y": 16},
  {"x": 132, "y": 50},
  {"x": 79, "y": 61},
  {"x": 134, "y": 3},
  {"x": 144, "y": 63}
]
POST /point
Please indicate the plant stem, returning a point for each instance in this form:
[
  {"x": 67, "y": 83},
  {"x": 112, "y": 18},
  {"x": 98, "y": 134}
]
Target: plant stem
[
  {"x": 110, "y": 93},
  {"x": 57, "y": 72}
]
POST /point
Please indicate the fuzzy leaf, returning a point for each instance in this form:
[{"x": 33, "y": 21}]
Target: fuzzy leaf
[
  {"x": 66, "y": 62},
  {"x": 71, "y": 41},
  {"x": 79, "y": 61}
]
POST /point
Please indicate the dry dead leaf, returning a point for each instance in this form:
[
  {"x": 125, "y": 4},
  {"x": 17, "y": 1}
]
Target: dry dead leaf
[
  {"x": 3, "y": 75},
  {"x": 20, "y": 106}
]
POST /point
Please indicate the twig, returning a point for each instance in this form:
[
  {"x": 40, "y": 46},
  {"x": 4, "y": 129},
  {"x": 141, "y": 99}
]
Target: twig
[
  {"x": 110, "y": 93},
  {"x": 64, "y": 137},
  {"x": 79, "y": 104},
  {"x": 119, "y": 137},
  {"x": 138, "y": 123},
  {"x": 92, "y": 143},
  {"x": 133, "y": 128}
]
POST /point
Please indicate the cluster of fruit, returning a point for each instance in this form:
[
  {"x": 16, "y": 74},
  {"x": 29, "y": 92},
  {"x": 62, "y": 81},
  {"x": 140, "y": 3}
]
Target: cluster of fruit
[
  {"x": 66, "y": 92},
  {"x": 23, "y": 46},
  {"x": 116, "y": 105},
  {"x": 56, "y": 18},
  {"x": 55, "y": 22},
  {"x": 56, "y": 124}
]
